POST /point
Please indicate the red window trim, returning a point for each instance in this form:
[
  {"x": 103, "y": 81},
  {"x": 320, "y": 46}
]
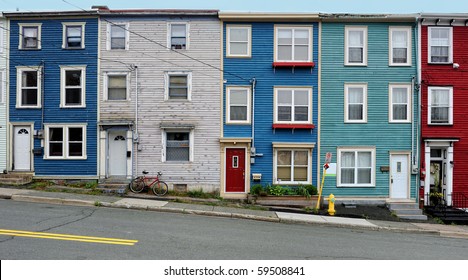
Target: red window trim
[{"x": 293, "y": 126}]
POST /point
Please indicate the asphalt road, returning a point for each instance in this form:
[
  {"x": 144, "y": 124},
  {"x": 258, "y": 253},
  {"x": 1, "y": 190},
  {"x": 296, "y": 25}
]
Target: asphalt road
[{"x": 181, "y": 236}]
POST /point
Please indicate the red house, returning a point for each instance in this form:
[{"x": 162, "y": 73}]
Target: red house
[{"x": 444, "y": 107}]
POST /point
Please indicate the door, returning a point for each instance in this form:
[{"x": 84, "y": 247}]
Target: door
[
  {"x": 399, "y": 177},
  {"x": 22, "y": 148},
  {"x": 117, "y": 159},
  {"x": 235, "y": 170}
]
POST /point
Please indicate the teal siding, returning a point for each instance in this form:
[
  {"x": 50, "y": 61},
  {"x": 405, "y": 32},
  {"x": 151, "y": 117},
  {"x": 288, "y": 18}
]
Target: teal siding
[{"x": 385, "y": 137}]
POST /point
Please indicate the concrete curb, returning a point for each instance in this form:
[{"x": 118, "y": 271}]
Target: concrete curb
[{"x": 52, "y": 200}]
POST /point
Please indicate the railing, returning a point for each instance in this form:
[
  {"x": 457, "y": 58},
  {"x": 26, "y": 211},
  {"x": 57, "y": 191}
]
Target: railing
[{"x": 459, "y": 200}]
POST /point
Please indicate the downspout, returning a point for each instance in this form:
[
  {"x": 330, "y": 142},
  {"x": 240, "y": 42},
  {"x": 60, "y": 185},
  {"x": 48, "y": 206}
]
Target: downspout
[
  {"x": 418, "y": 88},
  {"x": 136, "y": 136},
  {"x": 253, "y": 81},
  {"x": 42, "y": 66}
]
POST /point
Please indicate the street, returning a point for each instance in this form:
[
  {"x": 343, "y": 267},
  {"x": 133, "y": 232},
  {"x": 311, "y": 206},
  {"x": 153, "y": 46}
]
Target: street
[{"x": 181, "y": 236}]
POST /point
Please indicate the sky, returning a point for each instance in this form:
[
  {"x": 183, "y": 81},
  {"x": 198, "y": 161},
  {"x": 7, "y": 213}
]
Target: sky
[{"x": 327, "y": 6}]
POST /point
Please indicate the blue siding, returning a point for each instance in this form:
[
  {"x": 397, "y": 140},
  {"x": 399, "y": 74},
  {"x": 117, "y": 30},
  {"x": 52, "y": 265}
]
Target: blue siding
[
  {"x": 377, "y": 132},
  {"x": 52, "y": 56},
  {"x": 239, "y": 71}
]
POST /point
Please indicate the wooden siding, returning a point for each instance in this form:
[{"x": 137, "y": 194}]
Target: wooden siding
[
  {"x": 52, "y": 56},
  {"x": 446, "y": 75},
  {"x": 377, "y": 133},
  {"x": 147, "y": 34},
  {"x": 239, "y": 72},
  {"x": 3, "y": 93}
]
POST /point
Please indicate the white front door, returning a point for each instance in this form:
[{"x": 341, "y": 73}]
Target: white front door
[
  {"x": 399, "y": 177},
  {"x": 117, "y": 161},
  {"x": 22, "y": 148}
]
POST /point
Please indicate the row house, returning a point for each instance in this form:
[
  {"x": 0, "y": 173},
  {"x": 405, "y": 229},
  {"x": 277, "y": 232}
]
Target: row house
[
  {"x": 444, "y": 103},
  {"x": 270, "y": 100},
  {"x": 3, "y": 93},
  {"x": 369, "y": 113},
  {"x": 53, "y": 62},
  {"x": 159, "y": 95}
]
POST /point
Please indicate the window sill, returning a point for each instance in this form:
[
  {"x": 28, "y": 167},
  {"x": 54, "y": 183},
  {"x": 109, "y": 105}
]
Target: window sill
[
  {"x": 292, "y": 126},
  {"x": 354, "y": 186},
  {"x": 293, "y": 64}
]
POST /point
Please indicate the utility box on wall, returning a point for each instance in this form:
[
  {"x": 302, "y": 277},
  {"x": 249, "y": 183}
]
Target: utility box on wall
[{"x": 256, "y": 177}]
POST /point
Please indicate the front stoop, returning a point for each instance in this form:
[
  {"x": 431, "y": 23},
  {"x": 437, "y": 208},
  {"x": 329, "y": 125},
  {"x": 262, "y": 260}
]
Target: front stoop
[
  {"x": 15, "y": 179},
  {"x": 407, "y": 210},
  {"x": 114, "y": 185}
]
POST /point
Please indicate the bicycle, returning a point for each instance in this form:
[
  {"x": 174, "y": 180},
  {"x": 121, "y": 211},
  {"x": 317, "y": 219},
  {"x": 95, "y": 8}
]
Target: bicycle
[{"x": 158, "y": 187}]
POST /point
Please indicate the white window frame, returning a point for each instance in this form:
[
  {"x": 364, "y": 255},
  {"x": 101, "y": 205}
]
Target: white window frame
[
  {"x": 64, "y": 36},
  {"x": 355, "y": 150},
  {"x": 293, "y": 89},
  {"x": 429, "y": 105},
  {"x": 63, "y": 70},
  {"x": 228, "y": 105},
  {"x": 19, "y": 72},
  {"x": 309, "y": 165},
  {"x": 169, "y": 35},
  {"x": 109, "y": 36},
  {"x": 346, "y": 102},
  {"x": 409, "y": 58},
  {"x": 294, "y": 27},
  {"x": 429, "y": 51},
  {"x": 106, "y": 85},
  {"x": 189, "y": 85},
  {"x": 249, "y": 40},
  {"x": 191, "y": 143},
  {"x": 21, "y": 26},
  {"x": 364, "y": 51},
  {"x": 409, "y": 103},
  {"x": 66, "y": 142}
]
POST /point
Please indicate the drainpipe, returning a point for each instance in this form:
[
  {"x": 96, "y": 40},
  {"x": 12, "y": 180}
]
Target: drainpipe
[
  {"x": 42, "y": 66},
  {"x": 253, "y": 81},
  {"x": 418, "y": 87},
  {"x": 136, "y": 136}
]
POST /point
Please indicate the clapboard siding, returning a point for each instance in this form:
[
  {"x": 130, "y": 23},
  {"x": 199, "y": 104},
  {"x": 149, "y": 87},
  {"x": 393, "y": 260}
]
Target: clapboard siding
[
  {"x": 377, "y": 133},
  {"x": 239, "y": 72},
  {"x": 52, "y": 56},
  {"x": 3, "y": 94},
  {"x": 446, "y": 75},
  {"x": 202, "y": 59}
]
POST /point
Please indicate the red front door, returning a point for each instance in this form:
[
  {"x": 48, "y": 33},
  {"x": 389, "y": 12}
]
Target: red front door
[{"x": 235, "y": 170}]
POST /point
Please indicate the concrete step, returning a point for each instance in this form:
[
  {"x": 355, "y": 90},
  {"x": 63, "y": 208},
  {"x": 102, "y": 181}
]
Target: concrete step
[
  {"x": 15, "y": 179},
  {"x": 402, "y": 205},
  {"x": 407, "y": 211},
  {"x": 413, "y": 217}
]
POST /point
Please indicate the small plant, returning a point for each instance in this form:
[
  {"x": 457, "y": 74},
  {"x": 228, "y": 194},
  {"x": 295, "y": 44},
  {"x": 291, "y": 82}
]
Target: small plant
[
  {"x": 97, "y": 204},
  {"x": 308, "y": 209},
  {"x": 276, "y": 190},
  {"x": 256, "y": 189},
  {"x": 438, "y": 220},
  {"x": 91, "y": 185}
]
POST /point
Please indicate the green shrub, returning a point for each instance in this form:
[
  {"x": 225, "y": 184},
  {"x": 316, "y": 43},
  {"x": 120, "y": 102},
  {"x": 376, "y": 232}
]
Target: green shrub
[
  {"x": 277, "y": 190},
  {"x": 256, "y": 189}
]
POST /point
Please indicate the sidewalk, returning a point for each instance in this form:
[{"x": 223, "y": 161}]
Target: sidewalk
[{"x": 228, "y": 212}]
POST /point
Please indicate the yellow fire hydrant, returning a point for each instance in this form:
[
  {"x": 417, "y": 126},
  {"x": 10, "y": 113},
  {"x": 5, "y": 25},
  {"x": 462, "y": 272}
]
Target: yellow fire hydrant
[{"x": 331, "y": 205}]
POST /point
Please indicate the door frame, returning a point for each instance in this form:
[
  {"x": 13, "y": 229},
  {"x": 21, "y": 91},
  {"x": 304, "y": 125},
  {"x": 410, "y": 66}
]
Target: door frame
[
  {"x": 12, "y": 143},
  {"x": 125, "y": 133},
  {"x": 104, "y": 136},
  {"x": 245, "y": 170},
  {"x": 408, "y": 181}
]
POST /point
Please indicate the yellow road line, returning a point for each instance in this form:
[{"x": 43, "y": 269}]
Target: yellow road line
[{"x": 79, "y": 238}]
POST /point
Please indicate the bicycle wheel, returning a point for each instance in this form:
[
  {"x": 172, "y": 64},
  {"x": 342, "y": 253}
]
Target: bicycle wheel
[
  {"x": 137, "y": 185},
  {"x": 160, "y": 188}
]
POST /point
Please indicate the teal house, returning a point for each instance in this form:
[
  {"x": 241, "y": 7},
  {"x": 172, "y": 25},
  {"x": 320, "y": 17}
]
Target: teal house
[{"x": 369, "y": 117}]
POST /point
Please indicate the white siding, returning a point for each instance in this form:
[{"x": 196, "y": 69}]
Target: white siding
[
  {"x": 3, "y": 94},
  {"x": 203, "y": 111}
]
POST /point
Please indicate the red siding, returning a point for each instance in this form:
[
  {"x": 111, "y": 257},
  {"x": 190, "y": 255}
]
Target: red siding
[{"x": 446, "y": 75}]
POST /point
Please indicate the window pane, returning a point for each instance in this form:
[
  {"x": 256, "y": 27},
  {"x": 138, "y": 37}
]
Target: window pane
[
  {"x": 73, "y": 96},
  {"x": 284, "y": 113},
  {"x": 74, "y": 36},
  {"x": 118, "y": 31},
  {"x": 400, "y": 55},
  {"x": 177, "y": 146},
  {"x": 301, "y": 53},
  {"x": 400, "y": 112},
  {"x": 440, "y": 115},
  {"x": 364, "y": 159},
  {"x": 301, "y": 97},
  {"x": 117, "y": 94},
  {"x": 440, "y": 98},
  {"x": 355, "y": 112},
  {"x": 56, "y": 134},
  {"x": 73, "y": 78},
  {"x": 284, "y": 173},
  {"x": 399, "y": 39},
  {"x": 285, "y": 52},
  {"x": 118, "y": 43},
  {"x": 356, "y": 38},
  {"x": 238, "y": 113},
  {"x": 364, "y": 176},
  {"x": 178, "y": 30},
  {"x": 29, "y": 78},
  {"x": 300, "y": 174},
  {"x": 29, "y": 97},
  {"x": 239, "y": 49},
  {"x": 301, "y": 37},
  {"x": 301, "y": 113},
  {"x": 301, "y": 158},
  {"x": 30, "y": 37},
  {"x": 347, "y": 175},
  {"x": 285, "y": 36},
  {"x": 117, "y": 87},
  {"x": 347, "y": 159},
  {"x": 356, "y": 55},
  {"x": 238, "y": 97},
  {"x": 75, "y": 134},
  {"x": 284, "y": 157},
  {"x": 75, "y": 149},
  {"x": 284, "y": 97},
  {"x": 239, "y": 34},
  {"x": 56, "y": 149}
]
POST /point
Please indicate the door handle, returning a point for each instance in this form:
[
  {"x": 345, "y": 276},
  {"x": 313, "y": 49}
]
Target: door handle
[
  {"x": 391, "y": 180},
  {"x": 243, "y": 174}
]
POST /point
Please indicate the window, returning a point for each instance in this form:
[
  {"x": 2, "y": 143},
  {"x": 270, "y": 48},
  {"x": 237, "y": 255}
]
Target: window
[
  {"x": 117, "y": 36},
  {"x": 440, "y": 44},
  {"x": 355, "y": 103},
  {"x": 116, "y": 86},
  {"x": 178, "y": 36},
  {"x": 65, "y": 141},
  {"x": 400, "y": 46},
  {"x": 292, "y": 166},
  {"x": 238, "y": 105},
  {"x": 293, "y": 105},
  {"x": 293, "y": 44},
  {"x": 355, "y": 46},
  {"x": 239, "y": 38},
  {"x": 30, "y": 36},
  {"x": 72, "y": 86},
  {"x": 178, "y": 85},
  {"x": 399, "y": 103},
  {"x": 28, "y": 87},
  {"x": 356, "y": 167},
  {"x": 73, "y": 35},
  {"x": 440, "y": 105},
  {"x": 178, "y": 145}
]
